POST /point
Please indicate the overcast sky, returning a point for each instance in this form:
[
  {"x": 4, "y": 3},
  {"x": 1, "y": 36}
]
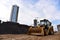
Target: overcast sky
[{"x": 31, "y": 9}]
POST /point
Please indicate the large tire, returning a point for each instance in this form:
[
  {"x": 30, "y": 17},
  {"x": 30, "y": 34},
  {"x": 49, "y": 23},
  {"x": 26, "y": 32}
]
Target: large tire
[
  {"x": 45, "y": 32},
  {"x": 51, "y": 32}
]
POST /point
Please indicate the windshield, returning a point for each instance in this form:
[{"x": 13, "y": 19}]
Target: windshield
[{"x": 42, "y": 23}]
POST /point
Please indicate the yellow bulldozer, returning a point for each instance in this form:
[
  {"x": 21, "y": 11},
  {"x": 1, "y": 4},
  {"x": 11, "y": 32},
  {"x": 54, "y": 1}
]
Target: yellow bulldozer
[{"x": 45, "y": 28}]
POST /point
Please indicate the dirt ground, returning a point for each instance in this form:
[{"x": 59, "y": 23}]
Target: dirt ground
[{"x": 56, "y": 36}]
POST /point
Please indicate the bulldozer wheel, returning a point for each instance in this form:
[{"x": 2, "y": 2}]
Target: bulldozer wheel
[
  {"x": 51, "y": 32},
  {"x": 45, "y": 32}
]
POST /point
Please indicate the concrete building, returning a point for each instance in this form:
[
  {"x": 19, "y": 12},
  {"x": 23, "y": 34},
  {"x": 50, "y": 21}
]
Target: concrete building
[
  {"x": 14, "y": 13},
  {"x": 58, "y": 26}
]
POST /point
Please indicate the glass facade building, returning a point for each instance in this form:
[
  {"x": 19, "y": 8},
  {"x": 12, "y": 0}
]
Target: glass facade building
[{"x": 14, "y": 13}]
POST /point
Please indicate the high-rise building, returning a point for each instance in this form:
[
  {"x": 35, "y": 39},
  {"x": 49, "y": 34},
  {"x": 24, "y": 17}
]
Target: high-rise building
[
  {"x": 58, "y": 27},
  {"x": 35, "y": 22},
  {"x": 14, "y": 13}
]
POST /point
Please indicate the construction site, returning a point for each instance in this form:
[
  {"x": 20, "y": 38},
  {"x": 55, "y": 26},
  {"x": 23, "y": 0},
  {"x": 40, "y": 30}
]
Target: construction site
[{"x": 11, "y": 30}]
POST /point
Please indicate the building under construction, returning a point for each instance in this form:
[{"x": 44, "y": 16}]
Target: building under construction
[{"x": 13, "y": 28}]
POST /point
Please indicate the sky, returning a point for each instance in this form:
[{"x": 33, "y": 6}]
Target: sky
[{"x": 31, "y": 9}]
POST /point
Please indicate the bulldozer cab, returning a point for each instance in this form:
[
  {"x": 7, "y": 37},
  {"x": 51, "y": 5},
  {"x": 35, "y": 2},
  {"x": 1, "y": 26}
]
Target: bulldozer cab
[{"x": 45, "y": 22}]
